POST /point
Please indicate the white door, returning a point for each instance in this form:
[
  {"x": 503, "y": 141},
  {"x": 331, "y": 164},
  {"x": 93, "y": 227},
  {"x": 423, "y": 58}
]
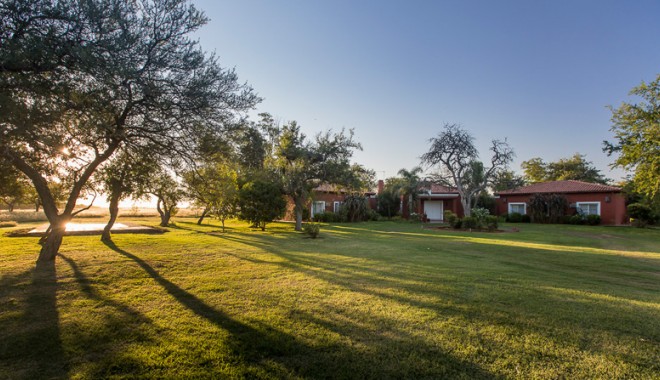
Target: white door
[{"x": 433, "y": 210}]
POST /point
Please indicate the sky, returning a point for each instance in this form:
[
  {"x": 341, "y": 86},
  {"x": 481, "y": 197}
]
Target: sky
[{"x": 537, "y": 73}]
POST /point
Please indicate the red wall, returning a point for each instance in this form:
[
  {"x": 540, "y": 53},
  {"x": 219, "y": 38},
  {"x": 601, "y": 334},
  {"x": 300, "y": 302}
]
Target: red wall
[
  {"x": 611, "y": 213},
  {"x": 328, "y": 198}
]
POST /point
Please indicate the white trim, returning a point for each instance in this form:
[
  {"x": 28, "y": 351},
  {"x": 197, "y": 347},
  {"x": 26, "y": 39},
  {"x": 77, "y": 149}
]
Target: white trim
[
  {"x": 335, "y": 206},
  {"x": 577, "y": 206},
  {"x": 517, "y": 204},
  {"x": 315, "y": 202},
  {"x": 437, "y": 196}
]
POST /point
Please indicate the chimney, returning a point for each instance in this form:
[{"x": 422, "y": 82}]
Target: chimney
[{"x": 381, "y": 186}]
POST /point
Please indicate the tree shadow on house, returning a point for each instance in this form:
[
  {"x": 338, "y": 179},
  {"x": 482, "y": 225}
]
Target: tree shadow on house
[{"x": 30, "y": 344}]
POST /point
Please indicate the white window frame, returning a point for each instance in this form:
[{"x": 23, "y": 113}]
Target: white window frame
[
  {"x": 317, "y": 202},
  {"x": 335, "y": 206},
  {"x": 578, "y": 204},
  {"x": 518, "y": 204}
]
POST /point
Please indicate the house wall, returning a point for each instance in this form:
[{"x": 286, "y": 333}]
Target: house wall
[
  {"x": 612, "y": 212},
  {"x": 328, "y": 198},
  {"x": 453, "y": 205}
]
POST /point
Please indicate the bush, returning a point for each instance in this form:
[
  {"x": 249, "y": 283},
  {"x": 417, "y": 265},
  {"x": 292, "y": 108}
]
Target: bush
[
  {"x": 327, "y": 217},
  {"x": 514, "y": 217},
  {"x": 374, "y": 216},
  {"x": 480, "y": 214},
  {"x": 458, "y": 223},
  {"x": 470, "y": 222},
  {"x": 492, "y": 222},
  {"x": 566, "y": 219},
  {"x": 526, "y": 219},
  {"x": 593, "y": 220},
  {"x": 416, "y": 218},
  {"x": 450, "y": 217},
  {"x": 640, "y": 213},
  {"x": 312, "y": 230},
  {"x": 9, "y": 223},
  {"x": 577, "y": 219}
]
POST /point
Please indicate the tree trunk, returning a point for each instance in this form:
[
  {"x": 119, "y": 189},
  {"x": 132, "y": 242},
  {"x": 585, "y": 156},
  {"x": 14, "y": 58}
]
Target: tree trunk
[
  {"x": 410, "y": 205},
  {"x": 466, "y": 203},
  {"x": 164, "y": 213},
  {"x": 114, "y": 211},
  {"x": 10, "y": 207},
  {"x": 298, "y": 210},
  {"x": 53, "y": 240},
  {"x": 204, "y": 213},
  {"x": 223, "y": 224}
]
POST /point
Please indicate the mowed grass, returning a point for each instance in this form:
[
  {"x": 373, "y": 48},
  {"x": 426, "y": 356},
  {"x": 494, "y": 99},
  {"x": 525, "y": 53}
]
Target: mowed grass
[{"x": 372, "y": 300}]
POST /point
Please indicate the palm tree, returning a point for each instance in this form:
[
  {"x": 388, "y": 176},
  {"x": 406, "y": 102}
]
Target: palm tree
[{"x": 409, "y": 185}]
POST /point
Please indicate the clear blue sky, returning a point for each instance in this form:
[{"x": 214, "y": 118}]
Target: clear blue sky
[{"x": 539, "y": 73}]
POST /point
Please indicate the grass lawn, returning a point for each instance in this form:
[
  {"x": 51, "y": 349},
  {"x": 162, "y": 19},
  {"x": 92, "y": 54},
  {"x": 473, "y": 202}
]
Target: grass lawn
[{"x": 372, "y": 300}]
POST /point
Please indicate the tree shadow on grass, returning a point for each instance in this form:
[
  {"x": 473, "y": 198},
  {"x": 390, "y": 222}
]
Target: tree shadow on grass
[
  {"x": 246, "y": 342},
  {"x": 273, "y": 353},
  {"x": 32, "y": 347}
]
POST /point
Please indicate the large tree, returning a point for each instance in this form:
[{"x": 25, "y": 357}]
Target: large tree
[
  {"x": 456, "y": 158},
  {"x": 636, "y": 130},
  {"x": 80, "y": 78},
  {"x": 304, "y": 165},
  {"x": 575, "y": 168}
]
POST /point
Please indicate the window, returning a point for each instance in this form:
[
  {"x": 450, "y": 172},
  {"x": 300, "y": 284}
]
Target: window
[
  {"x": 588, "y": 208},
  {"x": 336, "y": 206},
  {"x": 318, "y": 207},
  {"x": 520, "y": 208}
]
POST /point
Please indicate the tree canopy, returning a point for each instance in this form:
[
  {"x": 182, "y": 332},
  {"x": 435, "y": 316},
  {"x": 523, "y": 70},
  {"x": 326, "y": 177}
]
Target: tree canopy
[
  {"x": 456, "y": 158},
  {"x": 78, "y": 79},
  {"x": 575, "y": 168},
  {"x": 636, "y": 128}
]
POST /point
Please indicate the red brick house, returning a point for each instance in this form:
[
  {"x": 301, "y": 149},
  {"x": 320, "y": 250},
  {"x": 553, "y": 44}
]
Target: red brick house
[
  {"x": 327, "y": 198},
  {"x": 434, "y": 200},
  {"x": 590, "y": 198}
]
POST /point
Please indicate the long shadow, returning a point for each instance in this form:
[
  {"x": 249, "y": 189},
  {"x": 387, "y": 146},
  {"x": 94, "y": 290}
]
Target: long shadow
[
  {"x": 245, "y": 341},
  {"x": 535, "y": 315},
  {"x": 33, "y": 348},
  {"x": 264, "y": 345}
]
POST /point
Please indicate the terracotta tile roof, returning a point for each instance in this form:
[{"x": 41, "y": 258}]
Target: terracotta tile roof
[
  {"x": 329, "y": 188},
  {"x": 568, "y": 186},
  {"x": 437, "y": 189}
]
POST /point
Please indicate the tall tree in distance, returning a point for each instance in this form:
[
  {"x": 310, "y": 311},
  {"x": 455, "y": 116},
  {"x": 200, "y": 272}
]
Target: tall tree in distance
[
  {"x": 456, "y": 158},
  {"x": 636, "y": 129},
  {"x": 304, "y": 165},
  {"x": 575, "y": 168},
  {"x": 127, "y": 175},
  {"x": 408, "y": 185},
  {"x": 78, "y": 79}
]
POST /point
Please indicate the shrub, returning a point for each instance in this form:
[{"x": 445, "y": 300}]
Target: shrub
[
  {"x": 492, "y": 222},
  {"x": 566, "y": 219},
  {"x": 526, "y": 219},
  {"x": 470, "y": 222},
  {"x": 416, "y": 218},
  {"x": 593, "y": 220},
  {"x": 458, "y": 223},
  {"x": 576, "y": 219},
  {"x": 374, "y": 216},
  {"x": 354, "y": 208},
  {"x": 9, "y": 223},
  {"x": 450, "y": 217},
  {"x": 514, "y": 217},
  {"x": 326, "y": 217},
  {"x": 640, "y": 213},
  {"x": 480, "y": 214},
  {"x": 312, "y": 230}
]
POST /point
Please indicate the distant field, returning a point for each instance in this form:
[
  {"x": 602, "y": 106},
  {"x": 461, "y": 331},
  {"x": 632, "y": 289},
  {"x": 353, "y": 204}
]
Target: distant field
[
  {"x": 29, "y": 215},
  {"x": 372, "y": 300}
]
